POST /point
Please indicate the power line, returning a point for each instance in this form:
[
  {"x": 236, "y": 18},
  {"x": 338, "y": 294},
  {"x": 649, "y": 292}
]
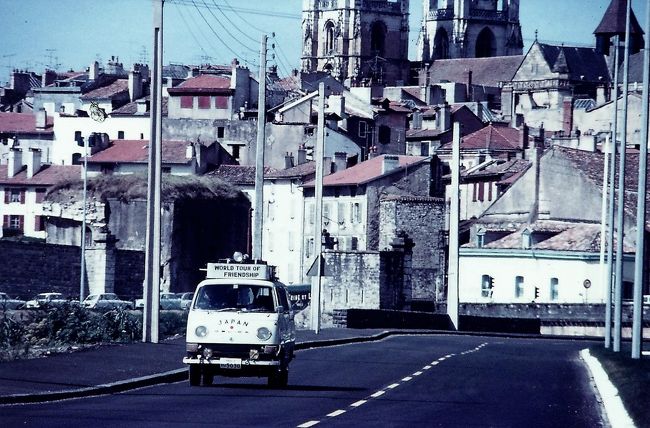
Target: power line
[
  {"x": 236, "y": 27},
  {"x": 228, "y": 32},
  {"x": 180, "y": 12},
  {"x": 244, "y": 10},
  {"x": 242, "y": 18}
]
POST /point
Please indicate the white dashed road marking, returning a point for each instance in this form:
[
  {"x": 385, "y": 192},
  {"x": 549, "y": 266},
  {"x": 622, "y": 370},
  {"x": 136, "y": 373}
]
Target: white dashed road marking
[{"x": 392, "y": 386}]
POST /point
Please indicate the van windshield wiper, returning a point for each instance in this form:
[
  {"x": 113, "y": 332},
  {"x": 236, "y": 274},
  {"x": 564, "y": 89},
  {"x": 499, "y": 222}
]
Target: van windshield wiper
[{"x": 225, "y": 309}]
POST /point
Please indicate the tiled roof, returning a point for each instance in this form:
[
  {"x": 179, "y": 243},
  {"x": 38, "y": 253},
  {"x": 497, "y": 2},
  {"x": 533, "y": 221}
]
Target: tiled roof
[
  {"x": 423, "y": 133},
  {"x": 137, "y": 151},
  {"x": 299, "y": 171},
  {"x": 118, "y": 87},
  {"x": 507, "y": 170},
  {"x": 131, "y": 108},
  {"x": 204, "y": 83},
  {"x": 46, "y": 176},
  {"x": 23, "y": 122},
  {"x": 583, "y": 64},
  {"x": 240, "y": 175},
  {"x": 491, "y": 137},
  {"x": 366, "y": 171},
  {"x": 485, "y": 71}
]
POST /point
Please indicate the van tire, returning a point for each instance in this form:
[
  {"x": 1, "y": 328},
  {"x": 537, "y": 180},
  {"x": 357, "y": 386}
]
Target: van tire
[
  {"x": 207, "y": 378},
  {"x": 194, "y": 375}
]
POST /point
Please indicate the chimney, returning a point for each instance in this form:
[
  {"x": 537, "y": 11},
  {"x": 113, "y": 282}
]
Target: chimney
[
  {"x": 302, "y": 155},
  {"x": 444, "y": 115},
  {"x": 600, "y": 95},
  {"x": 33, "y": 162},
  {"x": 567, "y": 116},
  {"x": 524, "y": 137},
  {"x": 135, "y": 85},
  {"x": 389, "y": 163},
  {"x": 327, "y": 165},
  {"x": 340, "y": 161},
  {"x": 93, "y": 72},
  {"x": 14, "y": 163},
  {"x": 189, "y": 151},
  {"x": 48, "y": 77},
  {"x": 41, "y": 119},
  {"x": 468, "y": 82},
  {"x": 288, "y": 160}
]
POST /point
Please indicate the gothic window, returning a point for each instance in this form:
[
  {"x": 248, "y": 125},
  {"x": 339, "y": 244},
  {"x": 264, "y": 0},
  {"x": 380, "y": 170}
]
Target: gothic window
[
  {"x": 486, "y": 44},
  {"x": 378, "y": 39},
  {"x": 441, "y": 45},
  {"x": 329, "y": 38}
]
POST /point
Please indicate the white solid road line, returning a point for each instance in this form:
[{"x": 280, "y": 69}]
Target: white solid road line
[{"x": 614, "y": 408}]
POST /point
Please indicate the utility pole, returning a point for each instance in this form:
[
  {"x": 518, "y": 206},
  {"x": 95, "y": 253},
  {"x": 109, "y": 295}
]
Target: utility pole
[
  {"x": 452, "y": 270},
  {"x": 637, "y": 316},
  {"x": 610, "y": 215},
  {"x": 258, "y": 212},
  {"x": 82, "y": 276},
  {"x": 318, "y": 223},
  {"x": 152, "y": 255},
  {"x": 620, "y": 219}
]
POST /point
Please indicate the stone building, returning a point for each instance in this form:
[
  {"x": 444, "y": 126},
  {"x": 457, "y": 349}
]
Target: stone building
[
  {"x": 469, "y": 29},
  {"x": 360, "y": 40}
]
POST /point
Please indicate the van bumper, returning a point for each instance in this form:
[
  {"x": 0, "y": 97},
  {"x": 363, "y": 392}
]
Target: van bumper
[{"x": 217, "y": 361}]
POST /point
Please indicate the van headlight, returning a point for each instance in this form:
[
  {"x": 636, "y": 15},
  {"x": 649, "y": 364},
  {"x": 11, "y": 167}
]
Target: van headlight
[
  {"x": 201, "y": 331},
  {"x": 263, "y": 333}
]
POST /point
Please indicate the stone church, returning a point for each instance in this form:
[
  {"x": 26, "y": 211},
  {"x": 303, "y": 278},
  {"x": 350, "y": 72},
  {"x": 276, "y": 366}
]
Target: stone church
[
  {"x": 361, "y": 41},
  {"x": 469, "y": 29}
]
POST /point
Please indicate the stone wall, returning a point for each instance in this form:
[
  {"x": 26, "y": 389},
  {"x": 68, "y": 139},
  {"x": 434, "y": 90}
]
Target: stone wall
[
  {"x": 423, "y": 220},
  {"x": 32, "y": 268}
]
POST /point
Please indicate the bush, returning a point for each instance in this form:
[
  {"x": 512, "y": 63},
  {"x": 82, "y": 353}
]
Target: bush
[{"x": 71, "y": 324}]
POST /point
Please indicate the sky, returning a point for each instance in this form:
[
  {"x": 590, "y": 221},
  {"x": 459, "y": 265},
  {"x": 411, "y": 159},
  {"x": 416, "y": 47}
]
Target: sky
[{"x": 71, "y": 34}]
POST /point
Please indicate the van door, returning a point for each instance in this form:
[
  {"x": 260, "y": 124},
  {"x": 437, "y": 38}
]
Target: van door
[{"x": 286, "y": 322}]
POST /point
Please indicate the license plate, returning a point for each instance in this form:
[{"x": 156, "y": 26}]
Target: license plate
[{"x": 230, "y": 363}]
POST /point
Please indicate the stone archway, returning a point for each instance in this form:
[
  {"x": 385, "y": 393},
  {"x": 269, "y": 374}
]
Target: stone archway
[
  {"x": 378, "y": 39},
  {"x": 486, "y": 45},
  {"x": 441, "y": 44}
]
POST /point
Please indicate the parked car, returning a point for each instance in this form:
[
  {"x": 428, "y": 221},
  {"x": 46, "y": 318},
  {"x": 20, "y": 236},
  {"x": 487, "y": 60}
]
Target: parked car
[
  {"x": 106, "y": 301},
  {"x": 167, "y": 301},
  {"x": 7, "y": 302},
  {"x": 186, "y": 300},
  {"x": 44, "y": 299}
]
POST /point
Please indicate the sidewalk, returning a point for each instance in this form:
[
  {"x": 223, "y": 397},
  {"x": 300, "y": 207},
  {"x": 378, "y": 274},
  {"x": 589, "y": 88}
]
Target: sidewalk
[{"x": 119, "y": 367}]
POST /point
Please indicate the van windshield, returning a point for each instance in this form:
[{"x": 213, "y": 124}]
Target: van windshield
[{"x": 235, "y": 297}]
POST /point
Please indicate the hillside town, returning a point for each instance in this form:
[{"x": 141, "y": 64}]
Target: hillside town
[{"x": 535, "y": 141}]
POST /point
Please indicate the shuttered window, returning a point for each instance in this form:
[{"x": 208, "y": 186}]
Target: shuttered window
[{"x": 187, "y": 101}]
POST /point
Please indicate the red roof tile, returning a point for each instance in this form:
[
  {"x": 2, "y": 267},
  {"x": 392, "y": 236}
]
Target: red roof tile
[
  {"x": 137, "y": 151},
  {"x": 205, "y": 83},
  {"x": 47, "y": 176},
  {"x": 23, "y": 122},
  {"x": 491, "y": 137},
  {"x": 118, "y": 87},
  {"x": 365, "y": 172}
]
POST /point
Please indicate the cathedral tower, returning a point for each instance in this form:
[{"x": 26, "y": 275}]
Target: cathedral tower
[
  {"x": 360, "y": 40},
  {"x": 469, "y": 29}
]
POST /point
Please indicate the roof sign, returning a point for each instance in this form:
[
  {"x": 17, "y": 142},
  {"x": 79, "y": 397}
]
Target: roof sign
[{"x": 238, "y": 271}]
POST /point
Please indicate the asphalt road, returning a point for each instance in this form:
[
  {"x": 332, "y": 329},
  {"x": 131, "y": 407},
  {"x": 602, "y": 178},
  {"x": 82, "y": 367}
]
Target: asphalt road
[{"x": 404, "y": 381}]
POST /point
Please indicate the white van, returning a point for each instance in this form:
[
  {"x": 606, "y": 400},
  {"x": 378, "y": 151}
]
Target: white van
[{"x": 240, "y": 323}]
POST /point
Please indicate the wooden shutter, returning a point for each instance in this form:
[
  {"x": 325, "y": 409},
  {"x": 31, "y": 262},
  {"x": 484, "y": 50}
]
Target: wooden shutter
[
  {"x": 221, "y": 101},
  {"x": 204, "y": 102},
  {"x": 187, "y": 101},
  {"x": 22, "y": 196},
  {"x": 38, "y": 223},
  {"x": 22, "y": 223},
  {"x": 6, "y": 195},
  {"x": 5, "y": 221}
]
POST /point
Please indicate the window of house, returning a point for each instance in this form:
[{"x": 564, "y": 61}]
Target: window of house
[
  {"x": 555, "y": 291},
  {"x": 120, "y": 135},
  {"x": 481, "y": 191},
  {"x": 14, "y": 196},
  {"x": 312, "y": 213},
  {"x": 519, "y": 287},
  {"x": 78, "y": 138},
  {"x": 384, "y": 134},
  {"x": 355, "y": 212},
  {"x": 489, "y": 186},
  {"x": 474, "y": 191},
  {"x": 309, "y": 247},
  {"x": 354, "y": 243},
  {"x": 220, "y": 131},
  {"x": 326, "y": 214},
  {"x": 340, "y": 212},
  {"x": 235, "y": 151},
  {"x": 424, "y": 149},
  {"x": 13, "y": 223},
  {"x": 290, "y": 238},
  {"x": 187, "y": 101},
  {"x": 40, "y": 195},
  {"x": 486, "y": 286},
  {"x": 39, "y": 223},
  {"x": 76, "y": 159},
  {"x": 204, "y": 102},
  {"x": 221, "y": 102}
]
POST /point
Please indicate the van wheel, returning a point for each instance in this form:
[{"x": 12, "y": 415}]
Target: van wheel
[
  {"x": 207, "y": 378},
  {"x": 194, "y": 375},
  {"x": 279, "y": 378}
]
